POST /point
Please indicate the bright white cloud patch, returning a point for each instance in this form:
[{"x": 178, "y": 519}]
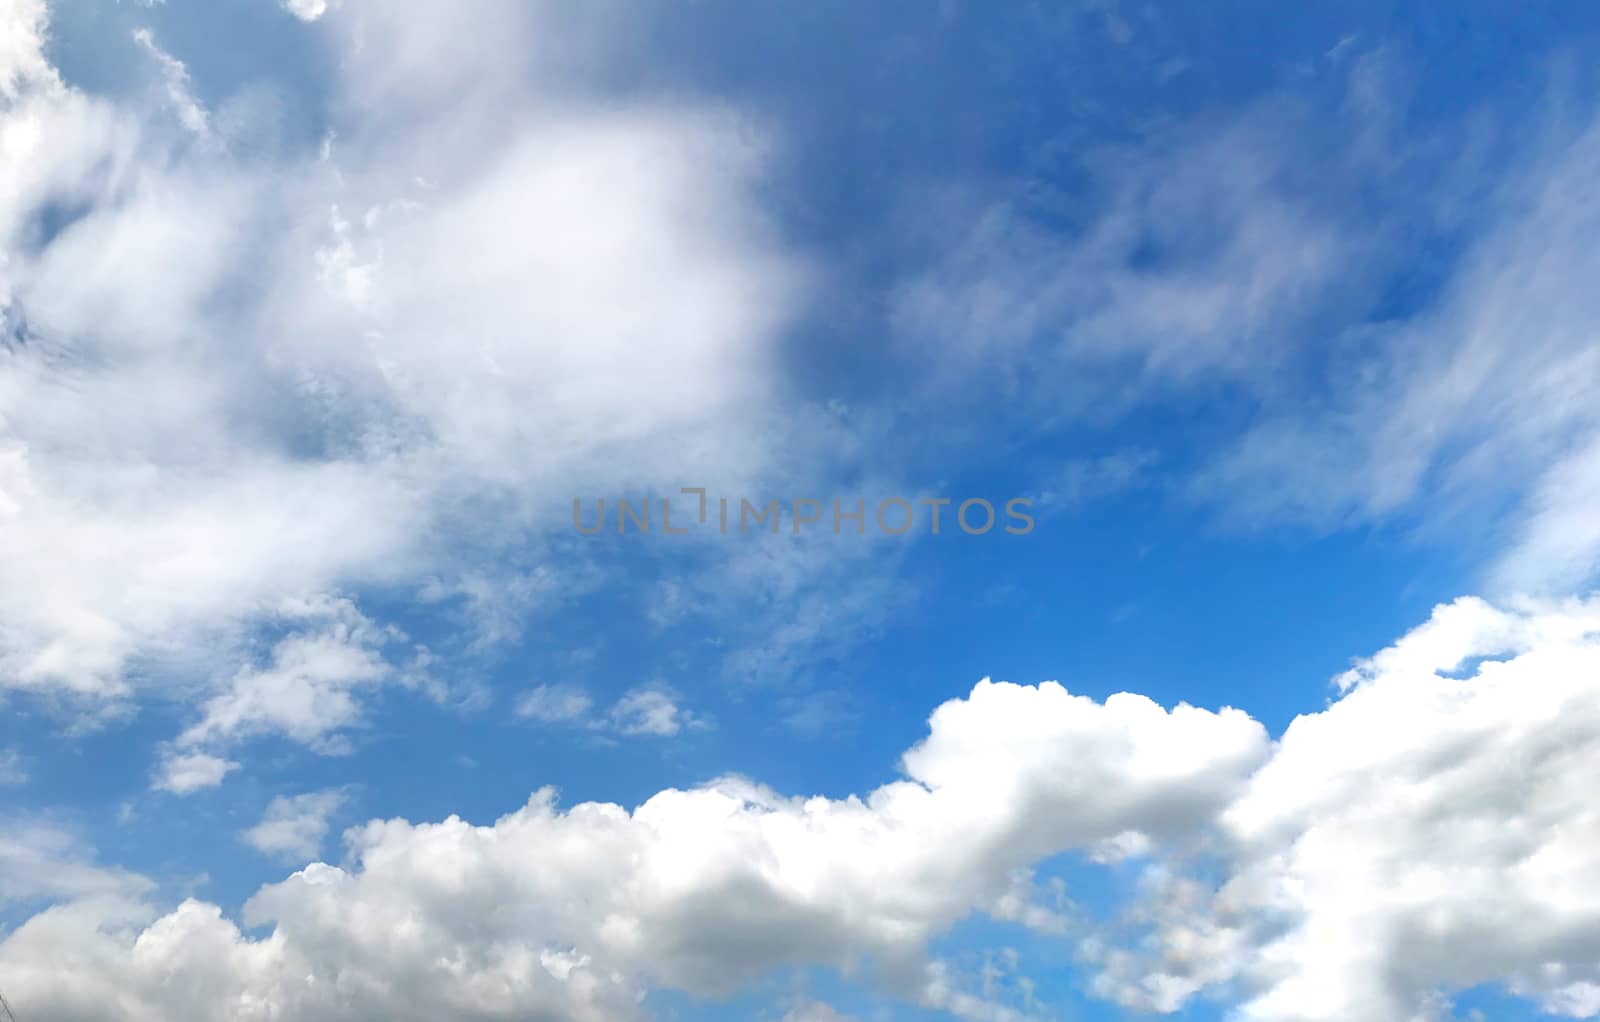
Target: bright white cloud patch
[
  {"x": 1431, "y": 831},
  {"x": 570, "y": 913},
  {"x": 306, "y": 10},
  {"x": 184, "y": 773},
  {"x": 22, "y": 27}
]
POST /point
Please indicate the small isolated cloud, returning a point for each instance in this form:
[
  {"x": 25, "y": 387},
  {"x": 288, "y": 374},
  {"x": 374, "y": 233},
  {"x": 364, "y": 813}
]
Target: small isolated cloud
[
  {"x": 184, "y": 773},
  {"x": 306, "y": 10},
  {"x": 651, "y": 711},
  {"x": 293, "y": 827},
  {"x": 552, "y": 704},
  {"x": 310, "y": 689}
]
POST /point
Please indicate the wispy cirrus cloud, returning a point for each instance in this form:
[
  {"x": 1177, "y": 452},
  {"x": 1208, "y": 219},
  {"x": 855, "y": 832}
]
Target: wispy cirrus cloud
[{"x": 1455, "y": 400}]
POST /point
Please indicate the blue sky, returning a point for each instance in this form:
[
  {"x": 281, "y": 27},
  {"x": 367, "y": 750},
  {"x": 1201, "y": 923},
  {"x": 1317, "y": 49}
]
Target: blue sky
[{"x": 316, "y": 318}]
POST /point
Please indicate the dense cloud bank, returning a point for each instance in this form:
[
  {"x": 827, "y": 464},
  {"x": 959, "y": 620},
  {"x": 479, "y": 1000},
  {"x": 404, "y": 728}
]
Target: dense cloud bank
[{"x": 1432, "y": 830}]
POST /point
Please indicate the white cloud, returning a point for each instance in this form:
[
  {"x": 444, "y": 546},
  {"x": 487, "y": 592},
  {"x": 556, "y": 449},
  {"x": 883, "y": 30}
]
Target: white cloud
[
  {"x": 306, "y": 10},
  {"x": 184, "y": 773},
  {"x": 554, "y": 703},
  {"x": 1429, "y": 832},
  {"x": 293, "y": 827},
  {"x": 570, "y": 913},
  {"x": 1210, "y": 271},
  {"x": 1081, "y": 319},
  {"x": 40, "y": 859},
  {"x": 181, "y": 456},
  {"x": 1489, "y": 403},
  {"x": 175, "y": 78},
  {"x": 309, "y": 691},
  {"x": 651, "y": 710},
  {"x": 1556, "y": 547},
  {"x": 654, "y": 710},
  {"x": 22, "y": 31}
]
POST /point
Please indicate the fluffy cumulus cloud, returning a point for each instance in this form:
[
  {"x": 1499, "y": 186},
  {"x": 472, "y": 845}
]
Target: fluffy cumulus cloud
[
  {"x": 1429, "y": 832},
  {"x": 573, "y": 913}
]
